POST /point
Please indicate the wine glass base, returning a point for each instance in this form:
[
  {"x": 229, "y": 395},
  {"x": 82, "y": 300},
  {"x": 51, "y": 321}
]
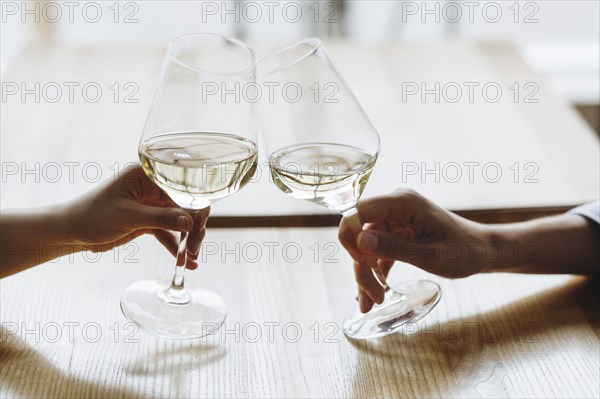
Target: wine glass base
[
  {"x": 406, "y": 302},
  {"x": 145, "y": 304}
]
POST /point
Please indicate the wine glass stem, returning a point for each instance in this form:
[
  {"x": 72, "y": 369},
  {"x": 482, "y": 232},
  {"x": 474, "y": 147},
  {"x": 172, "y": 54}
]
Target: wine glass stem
[
  {"x": 356, "y": 225},
  {"x": 181, "y": 261},
  {"x": 176, "y": 293}
]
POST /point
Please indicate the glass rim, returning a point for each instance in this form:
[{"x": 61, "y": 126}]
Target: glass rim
[
  {"x": 313, "y": 42},
  {"x": 242, "y": 45}
]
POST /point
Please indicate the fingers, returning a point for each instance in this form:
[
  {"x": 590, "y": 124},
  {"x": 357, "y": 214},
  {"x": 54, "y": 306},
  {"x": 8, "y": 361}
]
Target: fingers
[
  {"x": 194, "y": 241},
  {"x": 385, "y": 265},
  {"x": 191, "y": 264},
  {"x": 168, "y": 240},
  {"x": 196, "y": 237},
  {"x": 347, "y": 237},
  {"x": 401, "y": 204},
  {"x": 144, "y": 216},
  {"x": 171, "y": 243},
  {"x": 202, "y": 216},
  {"x": 389, "y": 246},
  {"x": 375, "y": 209},
  {"x": 368, "y": 284},
  {"x": 364, "y": 302},
  {"x": 198, "y": 232},
  {"x": 133, "y": 173},
  {"x": 163, "y": 219},
  {"x": 137, "y": 184}
]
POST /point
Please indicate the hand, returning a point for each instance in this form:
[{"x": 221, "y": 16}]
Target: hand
[
  {"x": 406, "y": 226},
  {"x": 129, "y": 207}
]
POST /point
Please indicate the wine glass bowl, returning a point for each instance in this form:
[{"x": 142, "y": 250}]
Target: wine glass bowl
[
  {"x": 330, "y": 175},
  {"x": 322, "y": 148},
  {"x": 321, "y": 145},
  {"x": 197, "y": 168},
  {"x": 196, "y": 153}
]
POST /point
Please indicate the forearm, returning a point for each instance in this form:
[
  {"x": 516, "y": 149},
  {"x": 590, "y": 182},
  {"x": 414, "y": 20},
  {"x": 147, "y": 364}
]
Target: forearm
[
  {"x": 28, "y": 238},
  {"x": 560, "y": 244}
]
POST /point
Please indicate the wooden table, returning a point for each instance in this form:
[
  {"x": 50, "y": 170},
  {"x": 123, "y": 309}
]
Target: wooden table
[
  {"x": 63, "y": 334},
  {"x": 490, "y": 336}
]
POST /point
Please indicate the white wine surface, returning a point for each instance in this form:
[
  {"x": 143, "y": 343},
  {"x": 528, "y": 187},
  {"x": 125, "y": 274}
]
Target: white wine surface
[
  {"x": 195, "y": 169},
  {"x": 331, "y": 175}
]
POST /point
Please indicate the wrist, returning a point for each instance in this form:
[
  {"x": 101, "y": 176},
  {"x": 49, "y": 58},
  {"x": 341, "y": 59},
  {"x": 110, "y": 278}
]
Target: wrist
[
  {"x": 62, "y": 227},
  {"x": 497, "y": 248}
]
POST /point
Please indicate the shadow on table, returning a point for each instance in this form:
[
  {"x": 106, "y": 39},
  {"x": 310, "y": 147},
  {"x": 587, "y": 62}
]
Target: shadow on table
[
  {"x": 175, "y": 364},
  {"x": 201, "y": 355},
  {"x": 21, "y": 369},
  {"x": 470, "y": 355}
]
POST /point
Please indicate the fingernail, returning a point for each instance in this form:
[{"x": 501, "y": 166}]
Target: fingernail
[
  {"x": 369, "y": 242},
  {"x": 183, "y": 223}
]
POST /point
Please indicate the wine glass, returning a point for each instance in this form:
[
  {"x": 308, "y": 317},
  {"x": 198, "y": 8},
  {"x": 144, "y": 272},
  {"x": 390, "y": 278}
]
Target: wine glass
[
  {"x": 322, "y": 148},
  {"x": 198, "y": 145}
]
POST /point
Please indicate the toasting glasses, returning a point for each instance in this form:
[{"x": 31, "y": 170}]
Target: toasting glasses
[
  {"x": 322, "y": 148},
  {"x": 198, "y": 146}
]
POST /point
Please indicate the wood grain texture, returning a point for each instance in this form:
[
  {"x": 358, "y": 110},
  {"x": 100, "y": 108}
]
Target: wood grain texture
[{"x": 496, "y": 335}]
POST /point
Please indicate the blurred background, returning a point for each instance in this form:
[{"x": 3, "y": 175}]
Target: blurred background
[
  {"x": 558, "y": 39},
  {"x": 376, "y": 45}
]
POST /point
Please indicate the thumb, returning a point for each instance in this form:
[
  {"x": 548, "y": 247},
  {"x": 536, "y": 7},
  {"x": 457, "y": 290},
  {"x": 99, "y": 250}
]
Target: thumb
[
  {"x": 163, "y": 218},
  {"x": 389, "y": 246}
]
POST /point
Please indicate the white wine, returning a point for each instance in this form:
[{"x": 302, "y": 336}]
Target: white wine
[
  {"x": 197, "y": 168},
  {"x": 331, "y": 175}
]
